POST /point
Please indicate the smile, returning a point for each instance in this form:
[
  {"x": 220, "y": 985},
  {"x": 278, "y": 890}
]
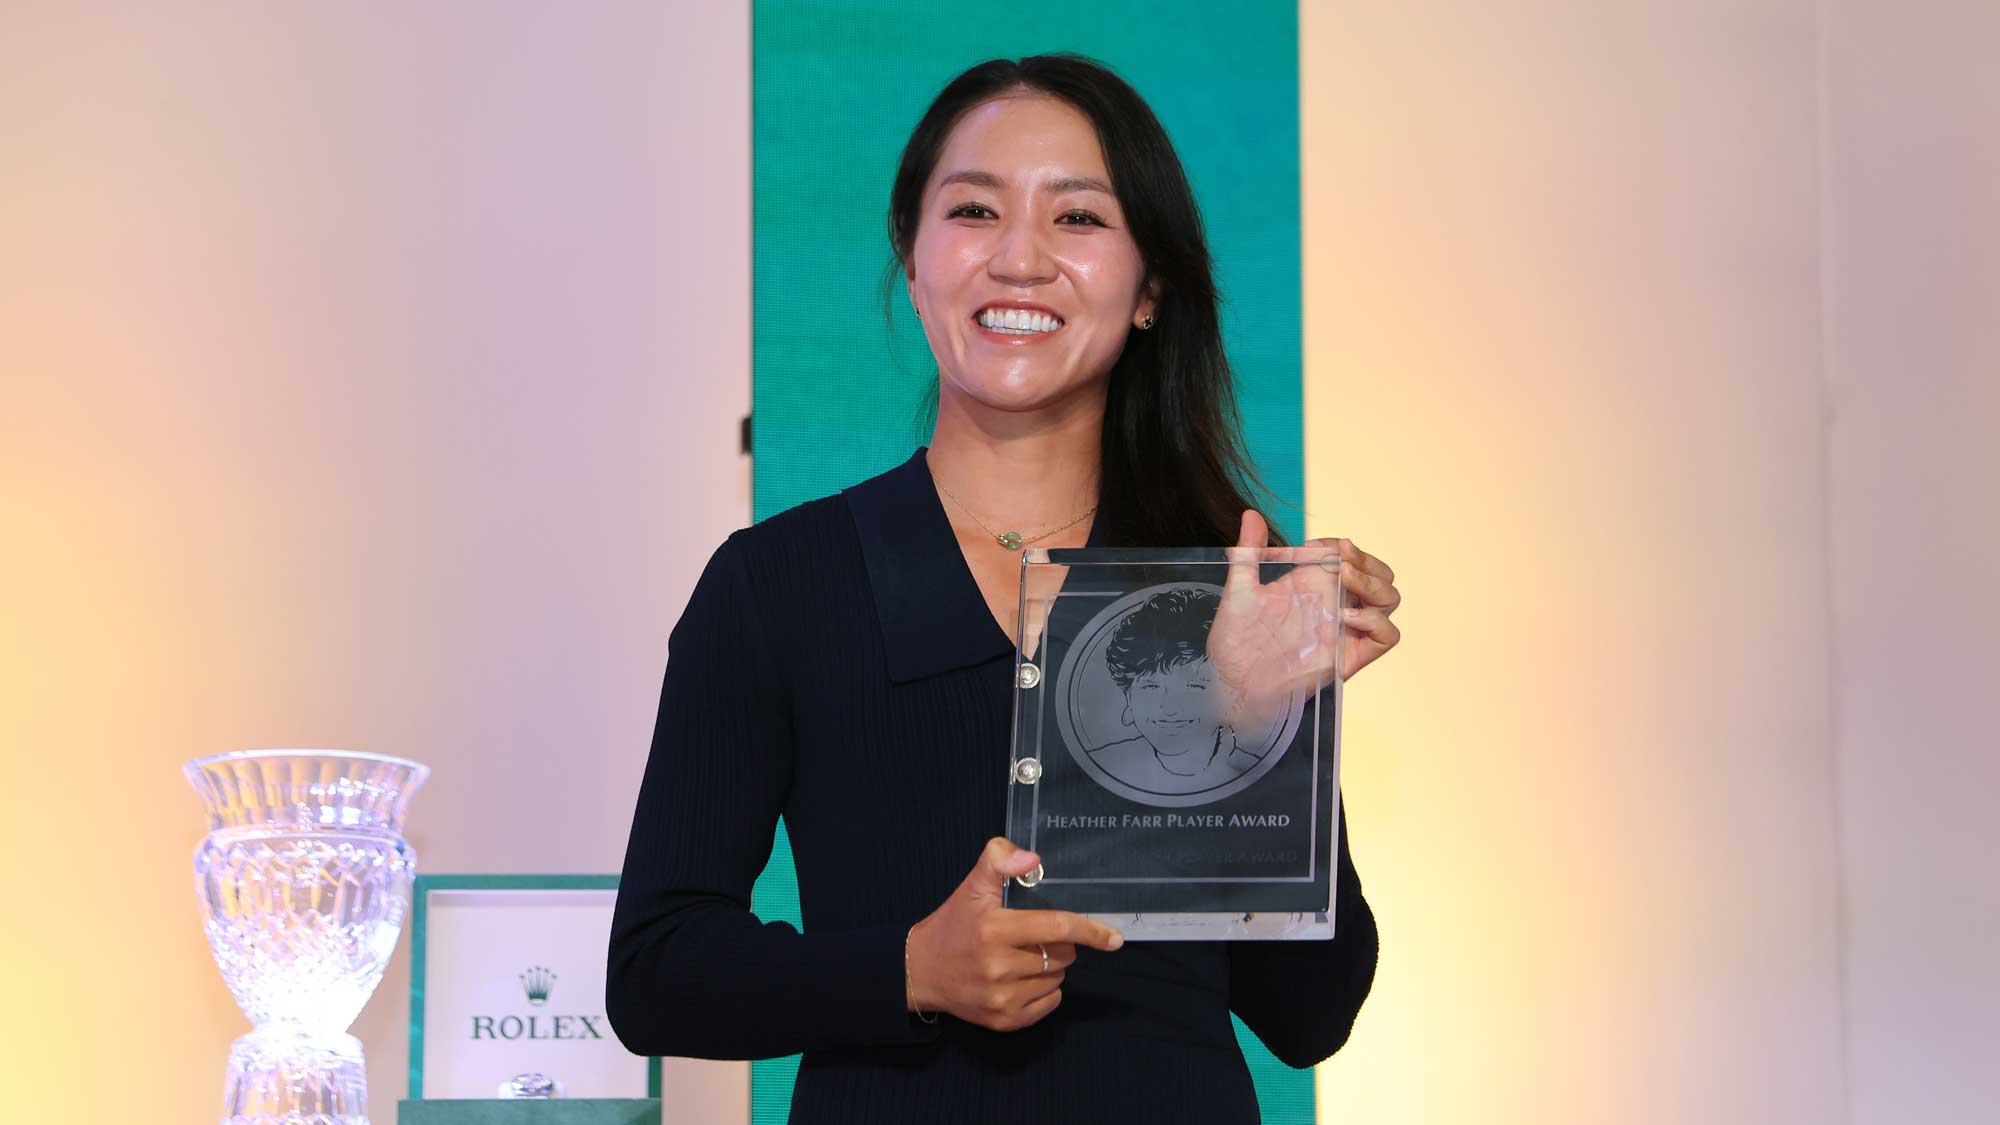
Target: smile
[{"x": 1016, "y": 322}]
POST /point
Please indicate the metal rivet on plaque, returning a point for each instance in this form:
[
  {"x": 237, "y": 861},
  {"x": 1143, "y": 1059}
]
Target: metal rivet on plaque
[
  {"x": 1031, "y": 878},
  {"x": 1027, "y": 771},
  {"x": 1029, "y": 675}
]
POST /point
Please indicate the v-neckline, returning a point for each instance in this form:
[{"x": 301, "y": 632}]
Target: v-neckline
[{"x": 968, "y": 580}]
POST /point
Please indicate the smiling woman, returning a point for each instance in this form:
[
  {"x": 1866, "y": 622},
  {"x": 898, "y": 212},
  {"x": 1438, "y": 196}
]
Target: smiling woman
[
  {"x": 1051, "y": 245},
  {"x": 1048, "y": 186},
  {"x": 1036, "y": 263}
]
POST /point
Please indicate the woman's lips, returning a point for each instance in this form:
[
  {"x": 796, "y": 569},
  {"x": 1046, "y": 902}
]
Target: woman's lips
[{"x": 1015, "y": 339}]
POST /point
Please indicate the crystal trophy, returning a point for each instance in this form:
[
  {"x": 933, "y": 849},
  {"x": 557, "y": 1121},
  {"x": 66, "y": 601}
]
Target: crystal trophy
[
  {"x": 1176, "y": 739},
  {"x": 303, "y": 882}
]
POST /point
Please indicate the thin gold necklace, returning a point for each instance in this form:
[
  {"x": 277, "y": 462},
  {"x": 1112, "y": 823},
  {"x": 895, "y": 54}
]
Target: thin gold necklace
[{"x": 1011, "y": 540}]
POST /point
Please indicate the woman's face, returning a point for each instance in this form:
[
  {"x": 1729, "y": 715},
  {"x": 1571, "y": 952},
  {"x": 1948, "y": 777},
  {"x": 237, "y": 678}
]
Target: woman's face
[
  {"x": 1019, "y": 214},
  {"x": 1177, "y": 709}
]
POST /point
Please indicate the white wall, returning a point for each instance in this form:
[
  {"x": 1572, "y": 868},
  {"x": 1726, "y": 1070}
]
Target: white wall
[{"x": 1911, "y": 243}]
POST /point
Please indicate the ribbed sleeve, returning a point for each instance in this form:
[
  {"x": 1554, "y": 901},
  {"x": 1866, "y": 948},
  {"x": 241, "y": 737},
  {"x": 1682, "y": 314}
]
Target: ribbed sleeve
[
  {"x": 691, "y": 971},
  {"x": 1301, "y": 997}
]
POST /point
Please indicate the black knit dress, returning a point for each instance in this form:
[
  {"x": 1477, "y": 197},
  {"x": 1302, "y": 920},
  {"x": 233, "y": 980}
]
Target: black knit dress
[{"x": 837, "y": 665}]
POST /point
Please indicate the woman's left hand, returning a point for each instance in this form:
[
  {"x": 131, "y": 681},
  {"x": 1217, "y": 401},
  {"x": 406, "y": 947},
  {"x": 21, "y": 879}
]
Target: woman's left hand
[
  {"x": 1370, "y": 633},
  {"x": 1369, "y": 580}
]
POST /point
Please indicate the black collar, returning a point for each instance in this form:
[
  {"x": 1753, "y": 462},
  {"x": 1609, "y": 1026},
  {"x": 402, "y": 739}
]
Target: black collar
[{"x": 934, "y": 618}]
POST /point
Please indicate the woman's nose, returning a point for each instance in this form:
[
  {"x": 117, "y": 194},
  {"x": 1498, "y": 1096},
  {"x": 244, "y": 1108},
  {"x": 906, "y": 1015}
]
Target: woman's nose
[{"x": 1019, "y": 257}]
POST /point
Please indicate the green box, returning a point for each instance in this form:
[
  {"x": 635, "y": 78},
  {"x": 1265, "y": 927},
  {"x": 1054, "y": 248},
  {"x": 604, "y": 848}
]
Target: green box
[{"x": 529, "y": 1111}]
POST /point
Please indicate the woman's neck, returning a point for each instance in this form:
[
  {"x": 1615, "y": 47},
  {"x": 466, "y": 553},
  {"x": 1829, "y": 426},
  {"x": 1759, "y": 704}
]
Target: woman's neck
[{"x": 1026, "y": 470}]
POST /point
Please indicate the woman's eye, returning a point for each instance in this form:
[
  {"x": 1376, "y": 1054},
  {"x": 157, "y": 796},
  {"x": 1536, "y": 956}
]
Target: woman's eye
[{"x": 976, "y": 211}]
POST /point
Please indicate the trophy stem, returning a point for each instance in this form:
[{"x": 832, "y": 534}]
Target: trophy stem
[{"x": 289, "y": 1075}]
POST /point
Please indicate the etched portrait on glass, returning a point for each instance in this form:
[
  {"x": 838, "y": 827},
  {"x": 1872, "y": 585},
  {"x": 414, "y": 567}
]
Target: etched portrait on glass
[{"x": 1144, "y": 660}]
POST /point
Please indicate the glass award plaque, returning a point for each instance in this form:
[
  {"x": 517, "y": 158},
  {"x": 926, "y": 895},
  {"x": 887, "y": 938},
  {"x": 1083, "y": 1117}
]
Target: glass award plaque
[{"x": 1176, "y": 739}]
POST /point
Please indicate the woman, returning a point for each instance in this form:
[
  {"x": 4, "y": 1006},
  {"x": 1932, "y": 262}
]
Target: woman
[{"x": 847, "y": 664}]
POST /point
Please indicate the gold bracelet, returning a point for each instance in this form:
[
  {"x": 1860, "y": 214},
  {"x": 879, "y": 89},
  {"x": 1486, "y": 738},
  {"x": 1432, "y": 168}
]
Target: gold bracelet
[{"x": 931, "y": 1018}]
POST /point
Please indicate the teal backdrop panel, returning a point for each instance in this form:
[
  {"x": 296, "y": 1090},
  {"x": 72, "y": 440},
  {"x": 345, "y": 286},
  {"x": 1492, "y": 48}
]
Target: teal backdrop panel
[{"x": 839, "y": 388}]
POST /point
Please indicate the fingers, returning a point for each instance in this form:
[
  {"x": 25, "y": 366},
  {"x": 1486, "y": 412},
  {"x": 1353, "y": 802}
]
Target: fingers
[
  {"x": 1026, "y": 961},
  {"x": 1009, "y": 987},
  {"x": 1039, "y": 1007},
  {"x": 1009, "y": 1017},
  {"x": 1372, "y": 588},
  {"x": 1027, "y": 928},
  {"x": 998, "y": 965},
  {"x": 998, "y": 968},
  {"x": 1356, "y": 557},
  {"x": 1374, "y": 625},
  {"x": 1016, "y": 1004},
  {"x": 1062, "y": 954},
  {"x": 1362, "y": 560},
  {"x": 1372, "y": 582}
]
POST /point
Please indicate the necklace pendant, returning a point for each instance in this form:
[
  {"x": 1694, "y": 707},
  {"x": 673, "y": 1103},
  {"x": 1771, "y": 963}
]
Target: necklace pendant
[{"x": 1011, "y": 540}]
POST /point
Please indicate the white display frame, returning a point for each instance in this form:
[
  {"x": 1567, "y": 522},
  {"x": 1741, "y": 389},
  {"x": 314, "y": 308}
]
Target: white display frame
[{"x": 559, "y": 918}]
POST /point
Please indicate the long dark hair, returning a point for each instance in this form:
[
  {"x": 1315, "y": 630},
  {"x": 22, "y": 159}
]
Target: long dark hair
[{"x": 1174, "y": 469}]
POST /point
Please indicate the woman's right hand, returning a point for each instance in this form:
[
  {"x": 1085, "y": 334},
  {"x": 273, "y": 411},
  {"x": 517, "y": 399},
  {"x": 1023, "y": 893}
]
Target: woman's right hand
[{"x": 978, "y": 960}]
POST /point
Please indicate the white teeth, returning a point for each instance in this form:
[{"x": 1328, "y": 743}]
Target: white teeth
[{"x": 1018, "y": 322}]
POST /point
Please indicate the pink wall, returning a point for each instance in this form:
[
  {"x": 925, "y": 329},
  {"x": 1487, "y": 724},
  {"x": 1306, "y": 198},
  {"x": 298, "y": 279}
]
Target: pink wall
[
  {"x": 1912, "y": 251},
  {"x": 371, "y": 379}
]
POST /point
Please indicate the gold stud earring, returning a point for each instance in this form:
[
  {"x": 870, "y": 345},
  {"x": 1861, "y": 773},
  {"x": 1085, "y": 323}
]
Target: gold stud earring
[{"x": 1146, "y": 323}]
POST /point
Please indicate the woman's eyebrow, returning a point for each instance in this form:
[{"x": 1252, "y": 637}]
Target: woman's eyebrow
[{"x": 995, "y": 183}]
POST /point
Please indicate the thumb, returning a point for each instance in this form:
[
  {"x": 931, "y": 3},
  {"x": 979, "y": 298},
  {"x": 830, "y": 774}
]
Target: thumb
[
  {"x": 1252, "y": 535},
  {"x": 1000, "y": 862},
  {"x": 1254, "y": 531}
]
